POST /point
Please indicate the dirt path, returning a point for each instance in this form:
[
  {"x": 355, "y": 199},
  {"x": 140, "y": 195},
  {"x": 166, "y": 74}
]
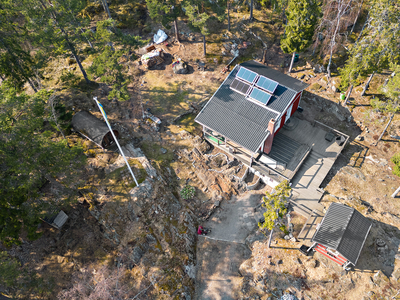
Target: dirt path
[{"x": 220, "y": 254}]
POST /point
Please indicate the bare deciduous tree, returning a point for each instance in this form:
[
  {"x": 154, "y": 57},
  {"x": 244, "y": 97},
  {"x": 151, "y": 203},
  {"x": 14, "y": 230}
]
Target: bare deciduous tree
[{"x": 337, "y": 17}]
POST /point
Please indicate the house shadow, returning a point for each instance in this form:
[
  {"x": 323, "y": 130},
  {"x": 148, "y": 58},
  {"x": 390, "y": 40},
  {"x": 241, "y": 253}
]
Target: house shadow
[{"x": 380, "y": 249}]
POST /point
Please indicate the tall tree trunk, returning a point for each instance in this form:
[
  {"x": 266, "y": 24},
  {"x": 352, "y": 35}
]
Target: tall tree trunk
[
  {"x": 367, "y": 84},
  {"x": 70, "y": 45},
  {"x": 88, "y": 41},
  {"x": 270, "y": 238},
  {"x": 105, "y": 5},
  {"x": 176, "y": 30},
  {"x": 333, "y": 43},
  {"x": 355, "y": 20},
  {"x": 387, "y": 79},
  {"x": 348, "y": 95},
  {"x": 73, "y": 51},
  {"x": 229, "y": 17},
  {"x": 384, "y": 130},
  {"x": 251, "y": 10},
  {"x": 291, "y": 63},
  {"x": 204, "y": 45},
  {"x": 284, "y": 15},
  {"x": 264, "y": 59}
]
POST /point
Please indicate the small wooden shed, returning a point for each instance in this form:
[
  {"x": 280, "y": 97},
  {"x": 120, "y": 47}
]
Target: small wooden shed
[
  {"x": 341, "y": 234},
  {"x": 93, "y": 129}
]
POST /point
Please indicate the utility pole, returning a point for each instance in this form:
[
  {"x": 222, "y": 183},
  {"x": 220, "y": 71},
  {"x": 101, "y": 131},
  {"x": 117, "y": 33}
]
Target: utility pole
[{"x": 115, "y": 138}]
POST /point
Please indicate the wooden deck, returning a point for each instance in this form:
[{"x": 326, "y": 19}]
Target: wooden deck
[
  {"x": 303, "y": 156},
  {"x": 307, "y": 180}
]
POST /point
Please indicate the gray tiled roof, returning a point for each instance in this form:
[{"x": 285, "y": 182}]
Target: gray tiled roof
[
  {"x": 240, "y": 120},
  {"x": 343, "y": 229},
  {"x": 282, "y": 79}
]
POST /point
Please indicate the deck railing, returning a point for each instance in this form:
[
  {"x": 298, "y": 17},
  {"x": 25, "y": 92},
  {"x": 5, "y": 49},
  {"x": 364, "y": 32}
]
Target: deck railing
[{"x": 335, "y": 131}]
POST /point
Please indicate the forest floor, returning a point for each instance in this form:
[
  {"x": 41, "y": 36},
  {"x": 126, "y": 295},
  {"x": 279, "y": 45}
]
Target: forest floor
[{"x": 361, "y": 177}]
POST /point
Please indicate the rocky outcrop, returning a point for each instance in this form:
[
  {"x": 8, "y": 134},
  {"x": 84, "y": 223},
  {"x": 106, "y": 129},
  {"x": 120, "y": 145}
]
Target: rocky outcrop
[{"x": 155, "y": 231}]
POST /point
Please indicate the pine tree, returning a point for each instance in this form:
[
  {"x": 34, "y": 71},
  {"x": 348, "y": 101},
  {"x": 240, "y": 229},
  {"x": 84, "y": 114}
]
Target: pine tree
[
  {"x": 276, "y": 208},
  {"x": 200, "y": 12},
  {"x": 109, "y": 69},
  {"x": 16, "y": 63},
  {"x": 377, "y": 47},
  {"x": 54, "y": 27},
  {"x": 302, "y": 17},
  {"x": 29, "y": 155},
  {"x": 165, "y": 12},
  {"x": 107, "y": 65}
]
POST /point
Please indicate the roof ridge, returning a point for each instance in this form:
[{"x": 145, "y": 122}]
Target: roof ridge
[
  {"x": 274, "y": 71},
  {"x": 273, "y": 79}
]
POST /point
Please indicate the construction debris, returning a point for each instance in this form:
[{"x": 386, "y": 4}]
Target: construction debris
[{"x": 155, "y": 57}]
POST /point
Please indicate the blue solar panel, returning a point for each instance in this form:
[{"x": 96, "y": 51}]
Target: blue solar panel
[
  {"x": 267, "y": 84},
  {"x": 260, "y": 95},
  {"x": 247, "y": 75}
]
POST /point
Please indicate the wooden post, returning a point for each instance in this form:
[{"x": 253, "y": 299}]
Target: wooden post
[{"x": 176, "y": 30}]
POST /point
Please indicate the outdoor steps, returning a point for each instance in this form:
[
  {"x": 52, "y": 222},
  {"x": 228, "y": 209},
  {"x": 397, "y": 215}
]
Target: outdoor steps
[
  {"x": 284, "y": 148},
  {"x": 337, "y": 259}
]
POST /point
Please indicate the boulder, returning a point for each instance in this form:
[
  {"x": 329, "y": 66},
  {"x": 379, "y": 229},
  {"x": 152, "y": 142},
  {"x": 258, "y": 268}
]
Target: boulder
[{"x": 180, "y": 67}]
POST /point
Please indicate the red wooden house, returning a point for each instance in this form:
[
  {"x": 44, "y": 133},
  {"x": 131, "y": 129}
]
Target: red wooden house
[{"x": 249, "y": 108}]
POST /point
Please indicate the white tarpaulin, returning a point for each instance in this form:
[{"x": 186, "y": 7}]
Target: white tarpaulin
[{"x": 160, "y": 37}]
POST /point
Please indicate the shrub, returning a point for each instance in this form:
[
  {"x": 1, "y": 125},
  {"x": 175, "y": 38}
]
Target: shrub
[
  {"x": 396, "y": 160},
  {"x": 188, "y": 192},
  {"x": 315, "y": 87}
]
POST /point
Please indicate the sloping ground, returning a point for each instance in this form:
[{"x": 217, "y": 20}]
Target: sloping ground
[{"x": 220, "y": 253}]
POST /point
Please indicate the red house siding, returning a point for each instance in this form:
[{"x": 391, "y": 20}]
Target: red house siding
[
  {"x": 339, "y": 259},
  {"x": 283, "y": 119},
  {"x": 295, "y": 102}
]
